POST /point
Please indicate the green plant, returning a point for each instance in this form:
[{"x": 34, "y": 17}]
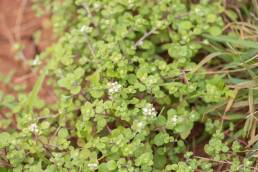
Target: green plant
[{"x": 130, "y": 86}]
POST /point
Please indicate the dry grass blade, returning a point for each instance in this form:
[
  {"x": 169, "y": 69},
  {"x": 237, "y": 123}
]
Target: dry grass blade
[
  {"x": 252, "y": 141},
  {"x": 250, "y": 124},
  {"x": 242, "y": 104},
  {"x": 247, "y": 84},
  {"x": 231, "y": 101},
  {"x": 206, "y": 60},
  {"x": 229, "y": 104}
]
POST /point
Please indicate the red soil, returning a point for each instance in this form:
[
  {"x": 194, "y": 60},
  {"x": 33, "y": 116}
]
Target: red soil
[{"x": 18, "y": 24}]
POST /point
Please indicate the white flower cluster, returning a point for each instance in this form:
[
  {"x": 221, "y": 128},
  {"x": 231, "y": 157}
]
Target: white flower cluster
[
  {"x": 176, "y": 119},
  {"x": 114, "y": 87},
  {"x": 149, "y": 111},
  {"x": 92, "y": 166},
  {"x": 34, "y": 128}
]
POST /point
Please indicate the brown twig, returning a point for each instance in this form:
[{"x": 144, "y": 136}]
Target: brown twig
[{"x": 140, "y": 41}]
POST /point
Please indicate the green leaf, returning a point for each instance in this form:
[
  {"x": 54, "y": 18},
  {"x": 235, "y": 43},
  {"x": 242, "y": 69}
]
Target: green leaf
[
  {"x": 233, "y": 40},
  {"x": 63, "y": 133},
  {"x": 96, "y": 93},
  {"x": 79, "y": 72},
  {"x": 185, "y": 25},
  {"x": 35, "y": 91},
  {"x": 145, "y": 159},
  {"x": 211, "y": 18},
  {"x": 101, "y": 123},
  {"x": 4, "y": 139},
  {"x": 45, "y": 125},
  {"x": 177, "y": 51},
  {"x": 161, "y": 139},
  {"x": 186, "y": 131},
  {"x": 5, "y": 170},
  {"x": 94, "y": 78},
  {"x": 76, "y": 90},
  {"x": 111, "y": 165},
  {"x": 215, "y": 31},
  {"x": 87, "y": 111},
  {"x": 160, "y": 161}
]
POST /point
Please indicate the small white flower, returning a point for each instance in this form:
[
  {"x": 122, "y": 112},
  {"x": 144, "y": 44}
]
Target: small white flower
[
  {"x": 138, "y": 125},
  {"x": 149, "y": 110},
  {"x": 192, "y": 116},
  {"x": 114, "y": 87},
  {"x": 174, "y": 119},
  {"x": 96, "y": 5},
  {"x": 34, "y": 128},
  {"x": 93, "y": 166},
  {"x": 36, "y": 62},
  {"x": 86, "y": 29},
  {"x": 83, "y": 28}
]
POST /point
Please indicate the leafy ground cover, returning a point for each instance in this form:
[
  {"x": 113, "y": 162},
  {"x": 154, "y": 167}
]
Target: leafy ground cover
[{"x": 140, "y": 86}]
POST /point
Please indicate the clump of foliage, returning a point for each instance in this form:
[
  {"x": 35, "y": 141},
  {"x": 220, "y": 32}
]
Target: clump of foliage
[{"x": 130, "y": 85}]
